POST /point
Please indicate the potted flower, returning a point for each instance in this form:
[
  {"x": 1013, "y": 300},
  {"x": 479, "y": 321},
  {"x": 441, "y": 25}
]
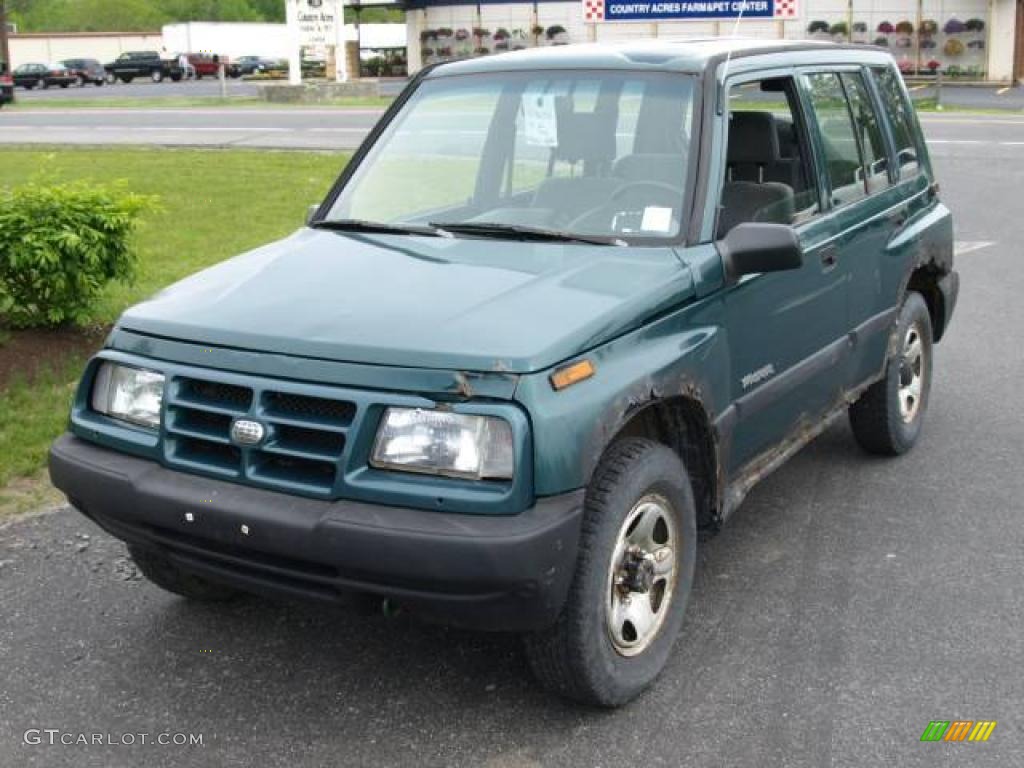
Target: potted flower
[
  {"x": 977, "y": 45},
  {"x": 904, "y": 28},
  {"x": 536, "y": 30},
  {"x": 928, "y": 28},
  {"x": 886, "y": 28},
  {"x": 426, "y": 53},
  {"x": 462, "y": 35},
  {"x": 839, "y": 29},
  {"x": 501, "y": 34},
  {"x": 974, "y": 25},
  {"x": 554, "y": 31},
  {"x": 445, "y": 52},
  {"x": 444, "y": 32},
  {"x": 904, "y": 41},
  {"x": 954, "y": 27},
  {"x": 480, "y": 33},
  {"x": 480, "y": 51},
  {"x": 933, "y": 65},
  {"x": 953, "y": 47},
  {"x": 882, "y": 41},
  {"x": 816, "y": 27},
  {"x": 501, "y": 45},
  {"x": 928, "y": 43},
  {"x": 906, "y": 66},
  {"x": 427, "y": 34}
]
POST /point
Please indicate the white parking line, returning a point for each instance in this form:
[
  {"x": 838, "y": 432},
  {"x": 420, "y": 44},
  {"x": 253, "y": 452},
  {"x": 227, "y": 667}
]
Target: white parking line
[{"x": 960, "y": 247}]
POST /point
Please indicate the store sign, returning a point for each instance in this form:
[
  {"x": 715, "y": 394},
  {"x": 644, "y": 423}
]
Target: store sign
[
  {"x": 683, "y": 10},
  {"x": 315, "y": 21}
]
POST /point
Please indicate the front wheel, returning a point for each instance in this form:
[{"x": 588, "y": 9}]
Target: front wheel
[
  {"x": 633, "y": 576},
  {"x": 111, "y": 78},
  {"x": 887, "y": 418}
]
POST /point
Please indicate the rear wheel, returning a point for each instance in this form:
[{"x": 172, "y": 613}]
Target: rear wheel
[
  {"x": 888, "y": 417},
  {"x": 80, "y": 81},
  {"x": 157, "y": 76},
  {"x": 162, "y": 572},
  {"x": 127, "y": 78},
  {"x": 41, "y": 84},
  {"x": 633, "y": 576},
  {"x": 111, "y": 78}
]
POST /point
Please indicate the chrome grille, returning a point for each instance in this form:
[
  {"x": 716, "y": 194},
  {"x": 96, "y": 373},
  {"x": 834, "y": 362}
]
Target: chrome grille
[{"x": 306, "y": 435}]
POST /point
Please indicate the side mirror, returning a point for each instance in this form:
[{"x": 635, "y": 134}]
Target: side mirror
[
  {"x": 753, "y": 247},
  {"x": 311, "y": 213}
]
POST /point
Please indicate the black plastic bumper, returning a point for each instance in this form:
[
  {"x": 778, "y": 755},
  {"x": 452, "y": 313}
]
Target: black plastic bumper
[{"x": 508, "y": 572}]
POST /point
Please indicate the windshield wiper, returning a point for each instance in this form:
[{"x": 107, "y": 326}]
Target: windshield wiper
[
  {"x": 380, "y": 227},
  {"x": 520, "y": 231}
]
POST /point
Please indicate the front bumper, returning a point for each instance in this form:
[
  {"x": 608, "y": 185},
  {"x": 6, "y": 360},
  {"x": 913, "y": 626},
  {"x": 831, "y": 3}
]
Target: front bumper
[{"x": 495, "y": 572}]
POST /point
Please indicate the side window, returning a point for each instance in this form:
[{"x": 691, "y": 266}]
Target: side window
[
  {"x": 838, "y": 136},
  {"x": 872, "y": 145},
  {"x": 900, "y": 118},
  {"x": 768, "y": 172}
]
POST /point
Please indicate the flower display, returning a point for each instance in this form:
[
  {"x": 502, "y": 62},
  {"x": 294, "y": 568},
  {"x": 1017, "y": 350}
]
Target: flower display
[
  {"x": 817, "y": 26},
  {"x": 954, "y": 27},
  {"x": 839, "y": 28},
  {"x": 928, "y": 27},
  {"x": 953, "y": 47},
  {"x": 461, "y": 34},
  {"x": 501, "y": 34},
  {"x": 975, "y": 25},
  {"x": 933, "y": 65},
  {"x": 904, "y": 28},
  {"x": 886, "y": 28},
  {"x": 554, "y": 31},
  {"x": 882, "y": 41}
]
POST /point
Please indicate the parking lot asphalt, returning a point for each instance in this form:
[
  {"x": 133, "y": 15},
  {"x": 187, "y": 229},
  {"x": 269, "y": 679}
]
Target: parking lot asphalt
[{"x": 849, "y": 601}]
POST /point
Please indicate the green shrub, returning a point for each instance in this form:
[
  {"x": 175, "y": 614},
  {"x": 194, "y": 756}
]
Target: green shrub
[{"x": 59, "y": 246}]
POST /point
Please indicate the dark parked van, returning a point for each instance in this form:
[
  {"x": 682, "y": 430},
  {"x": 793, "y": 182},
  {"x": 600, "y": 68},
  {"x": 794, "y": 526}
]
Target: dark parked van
[{"x": 562, "y": 310}]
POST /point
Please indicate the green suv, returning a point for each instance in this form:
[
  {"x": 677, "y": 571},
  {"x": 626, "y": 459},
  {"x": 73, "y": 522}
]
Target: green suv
[{"x": 563, "y": 309}]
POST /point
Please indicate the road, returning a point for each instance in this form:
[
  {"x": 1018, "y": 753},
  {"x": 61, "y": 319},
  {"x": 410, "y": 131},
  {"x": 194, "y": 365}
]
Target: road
[
  {"x": 849, "y": 602},
  {"x": 343, "y": 129}
]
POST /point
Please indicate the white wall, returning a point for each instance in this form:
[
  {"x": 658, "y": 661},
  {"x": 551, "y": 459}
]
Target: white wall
[
  {"x": 46, "y": 49},
  {"x": 270, "y": 40}
]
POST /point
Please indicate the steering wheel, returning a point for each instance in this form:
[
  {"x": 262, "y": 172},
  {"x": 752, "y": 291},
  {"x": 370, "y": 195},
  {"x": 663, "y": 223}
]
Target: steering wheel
[{"x": 622, "y": 191}]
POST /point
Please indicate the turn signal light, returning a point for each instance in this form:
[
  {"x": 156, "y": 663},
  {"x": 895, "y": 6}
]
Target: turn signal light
[{"x": 572, "y": 374}]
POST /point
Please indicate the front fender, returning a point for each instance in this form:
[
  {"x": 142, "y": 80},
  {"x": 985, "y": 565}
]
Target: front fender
[{"x": 572, "y": 428}]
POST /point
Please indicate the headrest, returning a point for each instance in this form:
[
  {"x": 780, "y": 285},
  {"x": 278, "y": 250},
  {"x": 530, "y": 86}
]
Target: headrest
[{"x": 753, "y": 138}]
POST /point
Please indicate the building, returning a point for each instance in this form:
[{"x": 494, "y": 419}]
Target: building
[{"x": 962, "y": 39}]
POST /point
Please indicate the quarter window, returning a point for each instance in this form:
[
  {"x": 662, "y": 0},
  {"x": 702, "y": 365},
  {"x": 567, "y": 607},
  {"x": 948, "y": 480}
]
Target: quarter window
[
  {"x": 839, "y": 138},
  {"x": 900, "y": 118}
]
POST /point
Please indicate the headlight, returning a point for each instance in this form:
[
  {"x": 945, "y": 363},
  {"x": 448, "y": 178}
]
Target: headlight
[
  {"x": 129, "y": 394},
  {"x": 444, "y": 443}
]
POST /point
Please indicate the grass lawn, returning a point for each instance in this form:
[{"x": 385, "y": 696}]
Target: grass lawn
[{"x": 214, "y": 204}]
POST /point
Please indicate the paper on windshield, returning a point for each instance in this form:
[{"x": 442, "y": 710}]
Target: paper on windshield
[{"x": 540, "y": 122}]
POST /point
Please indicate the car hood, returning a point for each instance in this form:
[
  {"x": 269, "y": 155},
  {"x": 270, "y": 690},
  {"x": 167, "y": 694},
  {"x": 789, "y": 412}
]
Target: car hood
[{"x": 417, "y": 301}]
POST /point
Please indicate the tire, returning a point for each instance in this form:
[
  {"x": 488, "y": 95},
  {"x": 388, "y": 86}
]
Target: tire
[
  {"x": 156, "y": 76},
  {"x": 111, "y": 78},
  {"x": 176, "y": 78},
  {"x": 589, "y": 655},
  {"x": 64, "y": 85},
  {"x": 127, "y": 78},
  {"x": 888, "y": 417},
  {"x": 80, "y": 81},
  {"x": 99, "y": 83},
  {"x": 42, "y": 84},
  {"x": 162, "y": 572},
  {"x": 198, "y": 77}
]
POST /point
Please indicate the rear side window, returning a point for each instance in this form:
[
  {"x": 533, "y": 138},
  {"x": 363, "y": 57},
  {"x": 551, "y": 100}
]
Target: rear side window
[
  {"x": 869, "y": 132},
  {"x": 838, "y": 136},
  {"x": 900, "y": 118}
]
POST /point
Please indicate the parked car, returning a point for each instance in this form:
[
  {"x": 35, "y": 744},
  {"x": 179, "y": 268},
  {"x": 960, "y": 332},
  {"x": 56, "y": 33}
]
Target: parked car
[
  {"x": 132, "y": 64},
  {"x": 506, "y": 387},
  {"x": 42, "y": 76},
  {"x": 86, "y": 71},
  {"x": 207, "y": 64},
  {"x": 6, "y": 85},
  {"x": 253, "y": 65}
]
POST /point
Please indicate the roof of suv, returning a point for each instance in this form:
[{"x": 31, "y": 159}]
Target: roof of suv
[{"x": 671, "y": 54}]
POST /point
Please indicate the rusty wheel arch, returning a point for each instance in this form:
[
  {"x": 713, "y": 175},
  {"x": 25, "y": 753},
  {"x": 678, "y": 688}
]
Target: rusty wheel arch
[{"x": 682, "y": 423}]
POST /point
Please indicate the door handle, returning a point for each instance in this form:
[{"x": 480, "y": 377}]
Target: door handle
[
  {"x": 898, "y": 219},
  {"x": 829, "y": 258}
]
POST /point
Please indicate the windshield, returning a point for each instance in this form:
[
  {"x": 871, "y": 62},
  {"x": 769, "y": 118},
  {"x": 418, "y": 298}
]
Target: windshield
[{"x": 581, "y": 153}]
